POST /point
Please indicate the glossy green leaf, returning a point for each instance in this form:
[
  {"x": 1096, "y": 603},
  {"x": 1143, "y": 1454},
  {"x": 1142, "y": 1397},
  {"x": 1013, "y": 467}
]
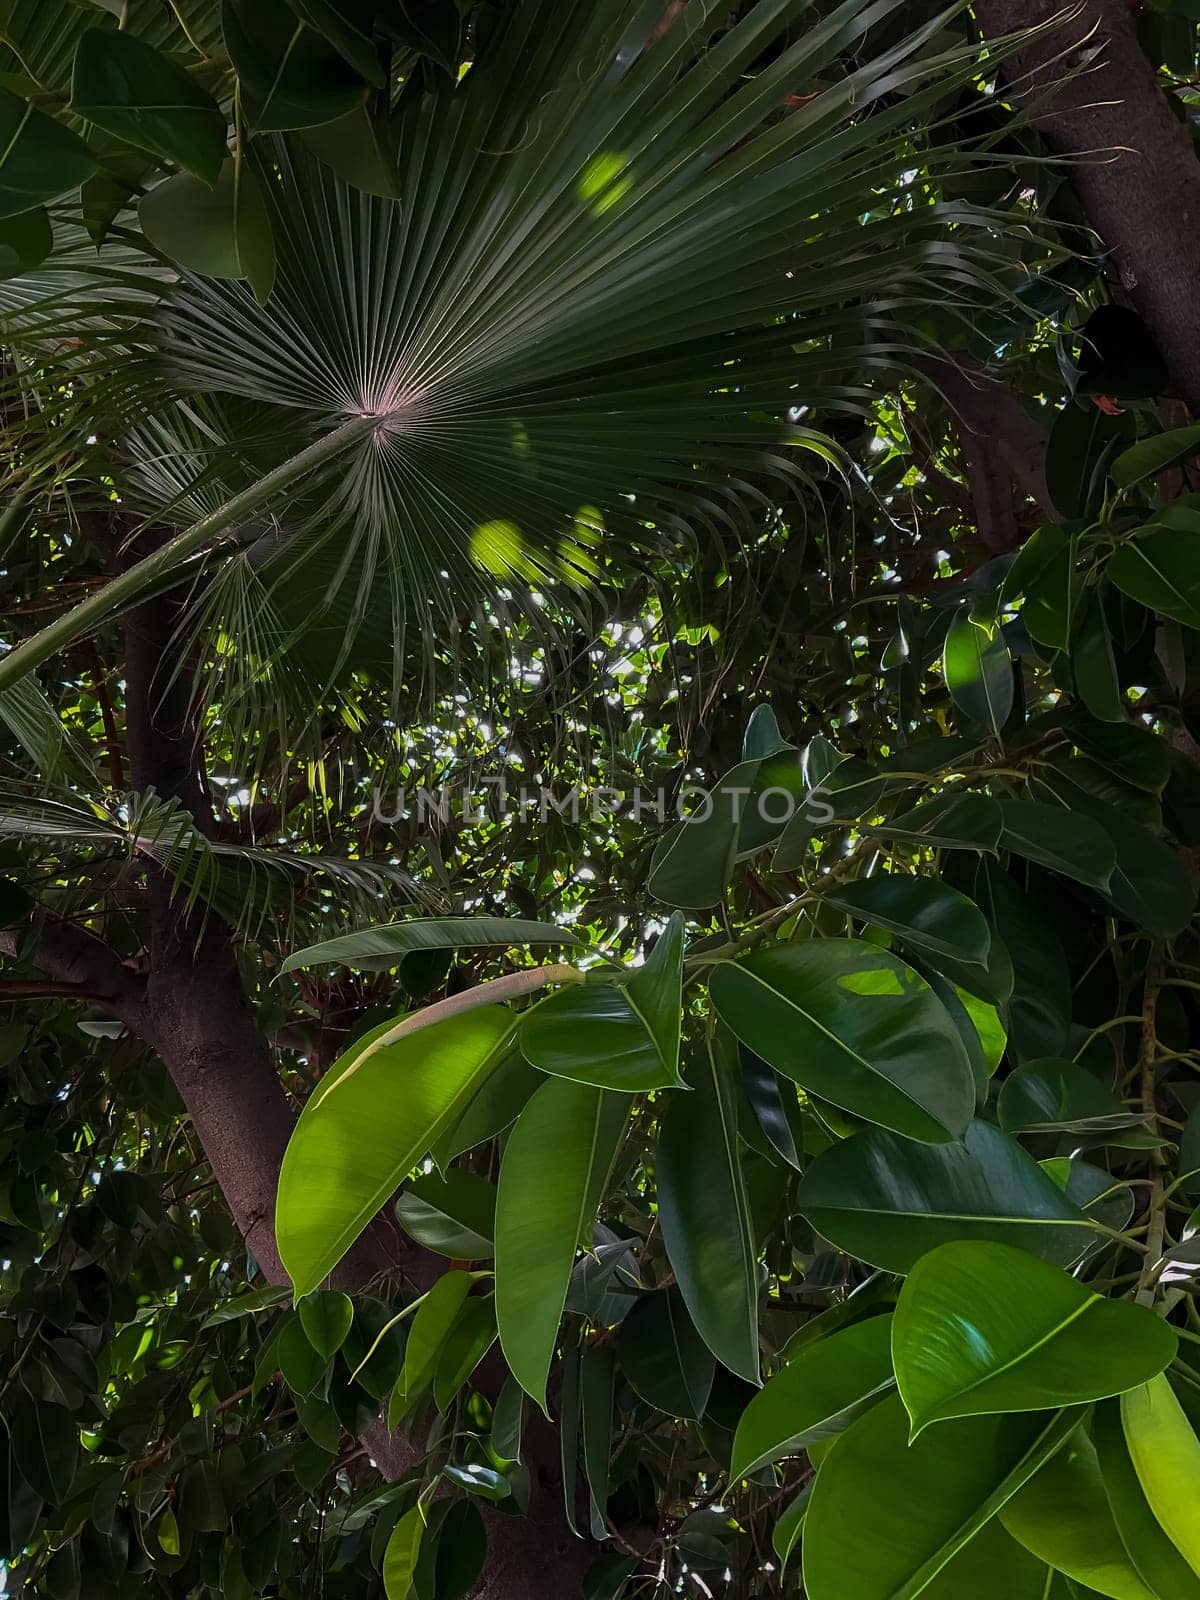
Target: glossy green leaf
[
  {"x": 219, "y": 232},
  {"x": 469, "y": 1340},
  {"x": 402, "y": 1554},
  {"x": 39, "y": 158},
  {"x": 1059, "y": 839},
  {"x": 1161, "y": 569},
  {"x": 1165, "y": 1453},
  {"x": 855, "y": 1025},
  {"x": 289, "y": 76},
  {"x": 368, "y": 1123},
  {"x": 983, "y": 1327},
  {"x": 888, "y": 1200},
  {"x": 1054, "y": 1094},
  {"x": 662, "y": 1356},
  {"x": 789, "y": 1526},
  {"x": 1062, "y": 1517},
  {"x": 924, "y": 912},
  {"x": 1155, "y": 454},
  {"x": 1051, "y": 600},
  {"x": 129, "y": 89},
  {"x": 432, "y": 1323},
  {"x": 454, "y": 1215},
  {"x": 25, "y": 242},
  {"x": 614, "y": 1035},
  {"x": 993, "y": 1566},
  {"x": 326, "y": 1317},
  {"x": 1157, "y": 1562},
  {"x": 816, "y": 1396},
  {"x": 704, "y": 1213},
  {"x": 885, "y": 1516},
  {"x": 765, "y": 1097},
  {"x": 552, "y": 1179},
  {"x": 377, "y": 949},
  {"x": 978, "y": 669}
]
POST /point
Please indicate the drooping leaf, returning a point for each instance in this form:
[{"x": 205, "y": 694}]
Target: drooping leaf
[
  {"x": 765, "y": 1098},
  {"x": 855, "y": 1025},
  {"x": 982, "y": 1327},
  {"x": 219, "y": 232},
  {"x": 597, "y": 1377},
  {"x": 888, "y": 1200},
  {"x": 1165, "y": 1453},
  {"x": 124, "y": 85},
  {"x": 302, "y": 1366},
  {"x": 1062, "y": 1517},
  {"x": 469, "y": 1340},
  {"x": 1155, "y": 454},
  {"x": 453, "y": 1551},
  {"x": 39, "y": 158},
  {"x": 1082, "y": 442},
  {"x": 614, "y": 1035},
  {"x": 886, "y": 1516},
  {"x": 372, "y": 949},
  {"x": 368, "y": 1123},
  {"x": 432, "y": 1324},
  {"x": 704, "y": 1213},
  {"x": 552, "y": 1178},
  {"x": 45, "y": 1447},
  {"x": 1094, "y": 665},
  {"x": 816, "y": 1396},
  {"x": 402, "y": 1554},
  {"x": 454, "y": 1215}
]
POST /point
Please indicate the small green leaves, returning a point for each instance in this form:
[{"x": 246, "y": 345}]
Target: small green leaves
[
  {"x": 888, "y": 1200},
  {"x": 853, "y": 1024},
  {"x": 128, "y": 88},
  {"x": 704, "y": 1213},
  {"x": 39, "y": 158},
  {"x": 984, "y": 1327},
  {"x": 615, "y": 1035},
  {"x": 369, "y": 1122},
  {"x": 816, "y": 1396},
  {"x": 219, "y": 232},
  {"x": 552, "y": 1178},
  {"x": 979, "y": 673}
]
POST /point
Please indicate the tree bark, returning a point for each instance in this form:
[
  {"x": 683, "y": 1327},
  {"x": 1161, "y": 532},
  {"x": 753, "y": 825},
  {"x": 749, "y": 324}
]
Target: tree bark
[{"x": 1132, "y": 163}]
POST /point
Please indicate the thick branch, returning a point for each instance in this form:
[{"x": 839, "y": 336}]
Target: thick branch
[
  {"x": 78, "y": 963},
  {"x": 1133, "y": 168}
]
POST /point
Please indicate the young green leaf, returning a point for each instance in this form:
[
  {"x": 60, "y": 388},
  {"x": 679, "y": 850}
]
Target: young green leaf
[
  {"x": 1159, "y": 1564},
  {"x": 979, "y": 671},
  {"x": 1166, "y": 1456},
  {"x": 326, "y": 1317}
]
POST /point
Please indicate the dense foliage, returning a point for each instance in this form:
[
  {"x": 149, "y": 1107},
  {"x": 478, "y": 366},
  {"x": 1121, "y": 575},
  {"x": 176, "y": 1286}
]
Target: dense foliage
[{"x": 601, "y": 606}]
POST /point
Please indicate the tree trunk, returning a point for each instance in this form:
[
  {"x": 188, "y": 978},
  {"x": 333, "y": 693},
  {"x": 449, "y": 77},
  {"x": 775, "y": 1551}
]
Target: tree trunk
[{"x": 1132, "y": 163}]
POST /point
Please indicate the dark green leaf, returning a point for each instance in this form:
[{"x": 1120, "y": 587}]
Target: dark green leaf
[
  {"x": 1053, "y": 1094},
  {"x": 45, "y": 1447},
  {"x": 25, "y": 242},
  {"x": 1059, "y": 839},
  {"x": 39, "y": 158},
  {"x": 1161, "y": 568},
  {"x": 888, "y": 1200},
  {"x": 125, "y": 86},
  {"x": 704, "y": 1213},
  {"x": 923, "y": 911},
  {"x": 289, "y": 75},
  {"x": 382, "y": 947},
  {"x": 663, "y": 1357},
  {"x": 222, "y": 232},
  {"x": 1153, "y": 455},
  {"x": 454, "y": 1215},
  {"x": 978, "y": 668}
]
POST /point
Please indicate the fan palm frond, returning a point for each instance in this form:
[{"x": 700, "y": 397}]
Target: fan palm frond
[
  {"x": 633, "y": 247},
  {"x": 258, "y": 892}
]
